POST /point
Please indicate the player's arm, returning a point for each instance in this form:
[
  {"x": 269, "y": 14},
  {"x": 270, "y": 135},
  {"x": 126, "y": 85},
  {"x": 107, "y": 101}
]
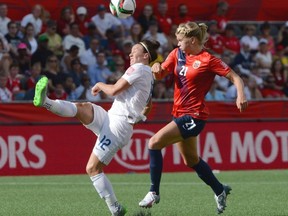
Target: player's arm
[
  {"x": 148, "y": 107},
  {"x": 158, "y": 71},
  {"x": 111, "y": 89},
  {"x": 241, "y": 100},
  {"x": 145, "y": 111}
]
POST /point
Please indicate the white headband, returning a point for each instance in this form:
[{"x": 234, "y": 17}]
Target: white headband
[{"x": 145, "y": 47}]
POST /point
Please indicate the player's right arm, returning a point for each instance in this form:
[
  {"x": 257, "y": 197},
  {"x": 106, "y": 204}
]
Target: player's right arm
[
  {"x": 158, "y": 72},
  {"x": 111, "y": 89}
]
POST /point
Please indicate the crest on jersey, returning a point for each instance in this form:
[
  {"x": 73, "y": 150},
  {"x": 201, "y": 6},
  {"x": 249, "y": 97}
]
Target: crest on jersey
[
  {"x": 196, "y": 64},
  {"x": 130, "y": 70}
]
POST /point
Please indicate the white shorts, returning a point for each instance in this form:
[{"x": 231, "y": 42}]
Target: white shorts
[{"x": 113, "y": 132}]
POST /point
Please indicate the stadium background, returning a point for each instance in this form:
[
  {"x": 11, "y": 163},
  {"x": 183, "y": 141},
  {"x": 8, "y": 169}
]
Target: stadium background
[
  {"x": 36, "y": 142},
  {"x": 259, "y": 10}
]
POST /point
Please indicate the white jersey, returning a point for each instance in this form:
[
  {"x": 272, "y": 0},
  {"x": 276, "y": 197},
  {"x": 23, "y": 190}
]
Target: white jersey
[
  {"x": 131, "y": 102},
  {"x": 109, "y": 21},
  {"x": 36, "y": 22}
]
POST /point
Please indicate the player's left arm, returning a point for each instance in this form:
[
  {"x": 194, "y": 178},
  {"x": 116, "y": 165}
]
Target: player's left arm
[
  {"x": 111, "y": 89},
  {"x": 241, "y": 101},
  {"x": 145, "y": 111},
  {"x": 148, "y": 107}
]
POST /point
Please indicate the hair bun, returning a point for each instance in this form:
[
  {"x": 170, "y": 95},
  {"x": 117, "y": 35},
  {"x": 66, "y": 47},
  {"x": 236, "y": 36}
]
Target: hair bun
[
  {"x": 151, "y": 47},
  {"x": 155, "y": 44}
]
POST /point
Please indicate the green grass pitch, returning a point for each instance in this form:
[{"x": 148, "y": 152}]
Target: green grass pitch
[{"x": 263, "y": 193}]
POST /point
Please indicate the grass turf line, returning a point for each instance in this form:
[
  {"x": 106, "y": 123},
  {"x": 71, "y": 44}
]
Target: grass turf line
[{"x": 262, "y": 193}]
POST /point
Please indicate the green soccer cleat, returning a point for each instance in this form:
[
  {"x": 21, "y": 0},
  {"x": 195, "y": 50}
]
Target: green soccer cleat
[
  {"x": 40, "y": 92},
  {"x": 121, "y": 211}
]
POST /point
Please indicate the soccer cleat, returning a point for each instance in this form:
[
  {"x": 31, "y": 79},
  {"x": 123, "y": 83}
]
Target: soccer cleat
[
  {"x": 40, "y": 91},
  {"x": 121, "y": 210},
  {"x": 150, "y": 199},
  {"x": 221, "y": 199}
]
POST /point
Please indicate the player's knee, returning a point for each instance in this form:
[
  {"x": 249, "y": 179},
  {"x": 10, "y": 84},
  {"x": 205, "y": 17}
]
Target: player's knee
[
  {"x": 154, "y": 143},
  {"x": 191, "y": 161},
  {"x": 94, "y": 167},
  {"x": 83, "y": 106},
  {"x": 92, "y": 170},
  {"x": 84, "y": 112},
  {"x": 89, "y": 170}
]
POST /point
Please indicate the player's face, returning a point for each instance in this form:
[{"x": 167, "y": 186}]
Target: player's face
[
  {"x": 184, "y": 43},
  {"x": 137, "y": 54}
]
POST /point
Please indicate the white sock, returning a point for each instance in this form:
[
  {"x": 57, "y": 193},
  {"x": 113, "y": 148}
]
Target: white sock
[
  {"x": 105, "y": 191},
  {"x": 60, "y": 107}
]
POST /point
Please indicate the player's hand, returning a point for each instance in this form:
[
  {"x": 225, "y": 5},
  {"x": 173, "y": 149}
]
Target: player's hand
[
  {"x": 95, "y": 89},
  {"x": 156, "y": 70},
  {"x": 242, "y": 104}
]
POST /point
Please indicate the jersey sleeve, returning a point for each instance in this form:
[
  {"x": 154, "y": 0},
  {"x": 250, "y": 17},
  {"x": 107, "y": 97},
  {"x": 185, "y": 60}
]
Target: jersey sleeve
[
  {"x": 132, "y": 74},
  {"x": 218, "y": 66}
]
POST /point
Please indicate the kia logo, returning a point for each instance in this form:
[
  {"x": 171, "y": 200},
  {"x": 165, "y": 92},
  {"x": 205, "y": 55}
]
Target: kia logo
[{"x": 135, "y": 155}]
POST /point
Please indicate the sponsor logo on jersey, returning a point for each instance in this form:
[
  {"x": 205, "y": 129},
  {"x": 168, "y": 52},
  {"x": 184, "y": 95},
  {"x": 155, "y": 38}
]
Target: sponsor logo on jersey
[{"x": 196, "y": 64}]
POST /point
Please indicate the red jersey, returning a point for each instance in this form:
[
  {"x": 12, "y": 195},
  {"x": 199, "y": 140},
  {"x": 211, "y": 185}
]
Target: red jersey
[
  {"x": 31, "y": 82},
  {"x": 54, "y": 96},
  {"x": 165, "y": 23},
  {"x": 215, "y": 43},
  {"x": 232, "y": 43},
  {"x": 279, "y": 79},
  {"x": 14, "y": 85},
  {"x": 83, "y": 25},
  {"x": 193, "y": 77},
  {"x": 178, "y": 20},
  {"x": 221, "y": 21}
]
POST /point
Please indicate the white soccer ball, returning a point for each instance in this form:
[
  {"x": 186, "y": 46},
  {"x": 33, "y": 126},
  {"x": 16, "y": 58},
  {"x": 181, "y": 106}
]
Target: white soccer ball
[{"x": 122, "y": 8}]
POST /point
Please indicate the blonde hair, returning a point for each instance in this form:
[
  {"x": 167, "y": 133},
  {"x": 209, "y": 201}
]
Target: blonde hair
[{"x": 192, "y": 29}]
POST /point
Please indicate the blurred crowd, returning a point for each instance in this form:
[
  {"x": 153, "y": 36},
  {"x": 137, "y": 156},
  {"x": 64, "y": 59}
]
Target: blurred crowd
[{"x": 80, "y": 49}]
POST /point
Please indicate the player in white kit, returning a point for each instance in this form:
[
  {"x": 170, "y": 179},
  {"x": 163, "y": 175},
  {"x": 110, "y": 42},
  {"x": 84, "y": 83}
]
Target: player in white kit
[{"x": 114, "y": 128}]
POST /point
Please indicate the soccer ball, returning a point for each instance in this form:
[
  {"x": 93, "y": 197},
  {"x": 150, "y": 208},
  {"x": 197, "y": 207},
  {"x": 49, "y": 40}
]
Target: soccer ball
[{"x": 122, "y": 8}]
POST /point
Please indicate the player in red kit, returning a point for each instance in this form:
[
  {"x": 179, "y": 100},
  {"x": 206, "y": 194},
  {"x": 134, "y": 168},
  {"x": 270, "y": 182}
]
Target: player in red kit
[{"x": 194, "y": 70}]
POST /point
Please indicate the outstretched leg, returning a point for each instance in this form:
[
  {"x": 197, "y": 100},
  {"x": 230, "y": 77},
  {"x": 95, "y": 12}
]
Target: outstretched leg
[
  {"x": 82, "y": 111},
  {"x": 58, "y": 107},
  {"x": 85, "y": 113}
]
